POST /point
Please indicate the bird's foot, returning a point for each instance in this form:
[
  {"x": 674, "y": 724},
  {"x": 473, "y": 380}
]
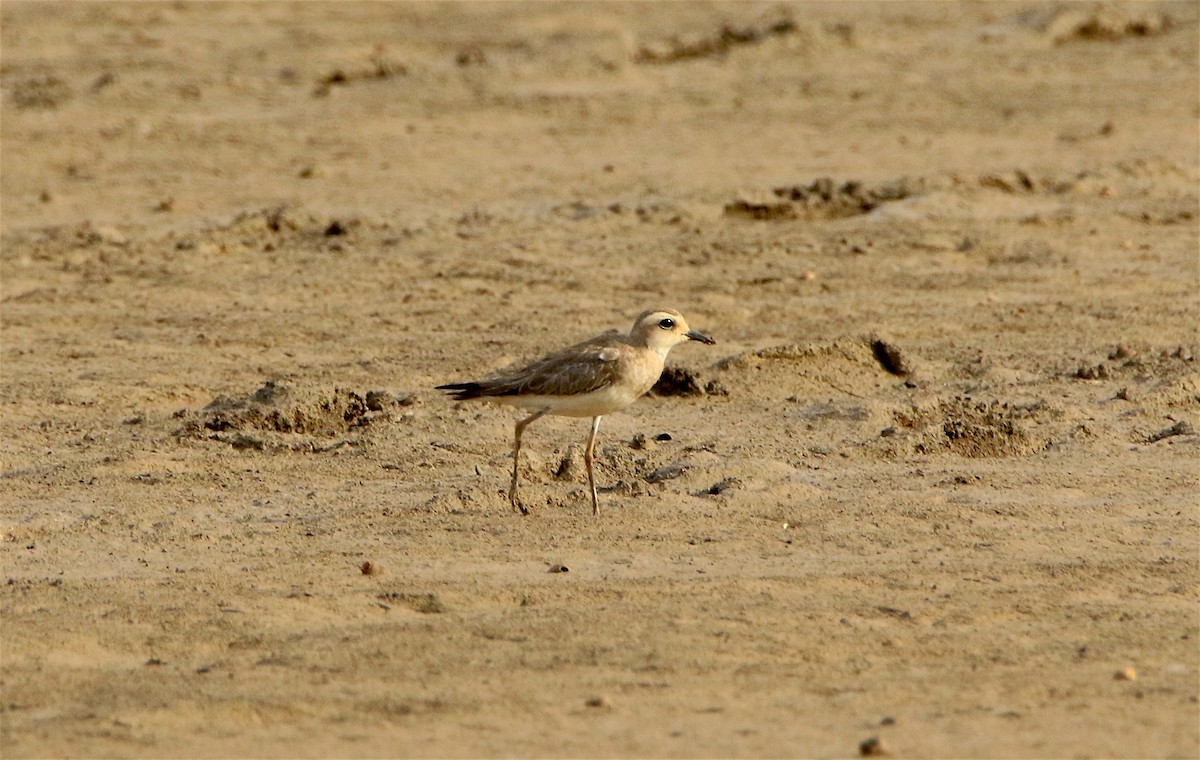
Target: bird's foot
[{"x": 516, "y": 503}]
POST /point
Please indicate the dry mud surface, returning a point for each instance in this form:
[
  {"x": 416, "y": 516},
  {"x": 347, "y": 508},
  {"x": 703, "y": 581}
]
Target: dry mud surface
[{"x": 933, "y": 492}]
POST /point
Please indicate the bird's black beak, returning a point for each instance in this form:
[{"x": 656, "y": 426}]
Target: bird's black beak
[{"x": 700, "y": 337}]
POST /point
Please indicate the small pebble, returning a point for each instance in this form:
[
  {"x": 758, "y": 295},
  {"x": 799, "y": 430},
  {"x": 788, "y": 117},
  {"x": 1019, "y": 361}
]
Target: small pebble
[
  {"x": 1125, "y": 674},
  {"x": 556, "y": 568},
  {"x": 872, "y": 747},
  {"x": 601, "y": 702}
]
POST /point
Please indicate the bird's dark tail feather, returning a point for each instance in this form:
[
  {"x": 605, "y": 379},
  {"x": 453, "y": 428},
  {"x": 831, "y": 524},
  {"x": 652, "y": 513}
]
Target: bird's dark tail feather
[{"x": 462, "y": 391}]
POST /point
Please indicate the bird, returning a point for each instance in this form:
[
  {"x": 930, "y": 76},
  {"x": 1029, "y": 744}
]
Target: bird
[{"x": 595, "y": 377}]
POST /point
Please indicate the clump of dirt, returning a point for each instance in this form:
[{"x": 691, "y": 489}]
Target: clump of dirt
[
  {"x": 379, "y": 67},
  {"x": 760, "y": 210},
  {"x": 967, "y": 428},
  {"x": 678, "y": 381},
  {"x": 647, "y": 211},
  {"x": 276, "y": 409},
  {"x": 667, "y": 472},
  {"x": 982, "y": 429},
  {"x": 426, "y": 604},
  {"x": 1013, "y": 181},
  {"x": 1109, "y": 23},
  {"x": 824, "y": 198},
  {"x": 1030, "y": 252},
  {"x": 45, "y": 92},
  {"x": 1182, "y": 427},
  {"x": 827, "y": 198},
  {"x": 715, "y": 44},
  {"x": 1124, "y": 361},
  {"x": 274, "y": 228}
]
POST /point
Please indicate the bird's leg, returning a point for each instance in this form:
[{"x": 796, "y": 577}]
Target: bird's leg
[
  {"x": 588, "y": 459},
  {"x": 512, "y": 489}
]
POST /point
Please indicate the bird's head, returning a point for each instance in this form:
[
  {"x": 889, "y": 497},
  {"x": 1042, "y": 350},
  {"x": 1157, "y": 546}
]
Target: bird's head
[{"x": 662, "y": 329}]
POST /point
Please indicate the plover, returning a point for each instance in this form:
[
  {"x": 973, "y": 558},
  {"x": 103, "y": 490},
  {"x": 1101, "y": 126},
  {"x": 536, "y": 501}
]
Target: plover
[{"x": 590, "y": 379}]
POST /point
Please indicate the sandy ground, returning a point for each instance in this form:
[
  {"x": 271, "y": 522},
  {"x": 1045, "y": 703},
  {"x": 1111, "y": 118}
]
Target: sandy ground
[{"x": 242, "y": 242}]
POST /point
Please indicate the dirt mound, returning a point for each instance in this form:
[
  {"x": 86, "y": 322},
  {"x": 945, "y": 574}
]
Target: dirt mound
[
  {"x": 964, "y": 427},
  {"x": 1109, "y": 22},
  {"x": 277, "y": 415},
  {"x": 850, "y": 367},
  {"x": 681, "y": 381},
  {"x": 712, "y": 44},
  {"x": 1144, "y": 362},
  {"x": 274, "y": 228},
  {"x": 825, "y": 198}
]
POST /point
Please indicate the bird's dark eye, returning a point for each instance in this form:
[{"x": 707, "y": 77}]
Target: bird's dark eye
[{"x": 667, "y": 324}]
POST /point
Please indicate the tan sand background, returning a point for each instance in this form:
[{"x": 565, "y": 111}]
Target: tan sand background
[{"x": 242, "y": 242}]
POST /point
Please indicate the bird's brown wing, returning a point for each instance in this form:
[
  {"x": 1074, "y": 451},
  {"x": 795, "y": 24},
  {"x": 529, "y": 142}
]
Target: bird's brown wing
[{"x": 577, "y": 369}]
